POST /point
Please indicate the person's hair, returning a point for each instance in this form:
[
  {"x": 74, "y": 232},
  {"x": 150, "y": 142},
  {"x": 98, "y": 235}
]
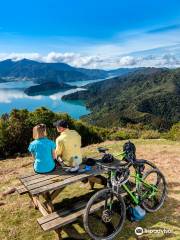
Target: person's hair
[
  {"x": 39, "y": 131},
  {"x": 62, "y": 124}
]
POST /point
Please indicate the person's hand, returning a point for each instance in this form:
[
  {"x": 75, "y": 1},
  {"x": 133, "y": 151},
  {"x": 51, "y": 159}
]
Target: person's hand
[{"x": 60, "y": 161}]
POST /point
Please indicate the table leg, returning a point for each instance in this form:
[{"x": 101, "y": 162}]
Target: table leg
[
  {"x": 59, "y": 236},
  {"x": 55, "y": 193},
  {"x": 46, "y": 209},
  {"x": 42, "y": 208},
  {"x": 34, "y": 202},
  {"x": 48, "y": 202},
  {"x": 97, "y": 179}
]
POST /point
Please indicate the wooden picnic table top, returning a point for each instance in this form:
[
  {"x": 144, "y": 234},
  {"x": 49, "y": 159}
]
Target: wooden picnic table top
[
  {"x": 41, "y": 183},
  {"x": 49, "y": 186}
]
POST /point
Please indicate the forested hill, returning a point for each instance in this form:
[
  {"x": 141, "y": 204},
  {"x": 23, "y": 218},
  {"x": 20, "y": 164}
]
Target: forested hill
[
  {"x": 150, "y": 96},
  {"x": 41, "y": 72}
]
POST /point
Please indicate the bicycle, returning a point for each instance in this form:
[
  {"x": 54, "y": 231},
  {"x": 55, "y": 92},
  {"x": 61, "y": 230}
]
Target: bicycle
[{"x": 105, "y": 212}]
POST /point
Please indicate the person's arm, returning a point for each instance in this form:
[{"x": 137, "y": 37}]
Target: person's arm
[
  {"x": 54, "y": 154},
  {"x": 31, "y": 150},
  {"x": 53, "y": 146},
  {"x": 59, "y": 148}
]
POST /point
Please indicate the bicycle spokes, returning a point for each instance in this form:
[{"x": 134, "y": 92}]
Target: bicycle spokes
[
  {"x": 153, "y": 190},
  {"x": 106, "y": 220}
]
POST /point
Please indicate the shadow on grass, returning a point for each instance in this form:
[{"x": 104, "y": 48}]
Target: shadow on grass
[{"x": 165, "y": 218}]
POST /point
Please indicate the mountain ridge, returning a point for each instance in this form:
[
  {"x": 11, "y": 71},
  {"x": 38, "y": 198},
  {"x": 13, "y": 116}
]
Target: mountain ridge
[{"x": 39, "y": 72}]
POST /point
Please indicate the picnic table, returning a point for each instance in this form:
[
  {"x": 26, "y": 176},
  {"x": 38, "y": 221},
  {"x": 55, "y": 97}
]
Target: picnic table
[{"x": 44, "y": 188}]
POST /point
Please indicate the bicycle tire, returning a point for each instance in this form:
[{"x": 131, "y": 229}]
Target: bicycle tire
[
  {"x": 86, "y": 217},
  {"x": 164, "y": 192}
]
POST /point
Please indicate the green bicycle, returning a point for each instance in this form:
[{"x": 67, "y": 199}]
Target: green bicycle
[{"x": 105, "y": 212}]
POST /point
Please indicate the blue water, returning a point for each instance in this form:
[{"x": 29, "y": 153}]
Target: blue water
[{"x": 12, "y": 96}]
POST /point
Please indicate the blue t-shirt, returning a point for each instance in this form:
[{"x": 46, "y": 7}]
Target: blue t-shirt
[{"x": 42, "y": 151}]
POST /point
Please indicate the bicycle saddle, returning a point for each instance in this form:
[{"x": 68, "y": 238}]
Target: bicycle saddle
[{"x": 112, "y": 166}]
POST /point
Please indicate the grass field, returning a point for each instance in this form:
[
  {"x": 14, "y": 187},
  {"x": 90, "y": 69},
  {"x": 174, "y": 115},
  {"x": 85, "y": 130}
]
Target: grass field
[{"x": 18, "y": 218}]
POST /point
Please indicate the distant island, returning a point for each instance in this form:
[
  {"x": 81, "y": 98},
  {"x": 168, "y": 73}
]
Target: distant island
[{"x": 46, "y": 87}]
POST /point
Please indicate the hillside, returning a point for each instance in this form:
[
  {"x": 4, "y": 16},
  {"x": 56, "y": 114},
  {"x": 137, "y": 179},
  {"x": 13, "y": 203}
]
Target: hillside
[
  {"x": 40, "y": 72},
  {"x": 149, "y": 96},
  {"x": 18, "y": 218}
]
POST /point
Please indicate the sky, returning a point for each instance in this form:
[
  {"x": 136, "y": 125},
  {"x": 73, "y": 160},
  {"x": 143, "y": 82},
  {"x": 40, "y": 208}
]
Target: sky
[{"x": 92, "y": 33}]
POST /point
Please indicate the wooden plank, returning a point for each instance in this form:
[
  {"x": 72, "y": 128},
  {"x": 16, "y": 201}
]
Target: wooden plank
[
  {"x": 42, "y": 208},
  {"x": 44, "y": 183},
  {"x": 57, "y": 172},
  {"x": 34, "y": 200},
  {"x": 59, "y": 236},
  {"x": 48, "y": 202},
  {"x": 97, "y": 179},
  {"x": 21, "y": 189},
  {"x": 77, "y": 206},
  {"x": 47, "y": 182},
  {"x": 58, "y": 219},
  {"x": 61, "y": 184},
  {"x": 61, "y": 221},
  {"x": 28, "y": 175},
  {"x": 45, "y": 178},
  {"x": 55, "y": 193}
]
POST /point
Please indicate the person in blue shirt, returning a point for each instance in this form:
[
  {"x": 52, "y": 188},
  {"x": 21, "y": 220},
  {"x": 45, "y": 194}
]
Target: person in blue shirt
[{"x": 42, "y": 150}]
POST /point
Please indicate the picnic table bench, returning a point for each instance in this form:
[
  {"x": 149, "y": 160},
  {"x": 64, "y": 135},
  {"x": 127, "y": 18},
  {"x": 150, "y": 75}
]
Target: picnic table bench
[{"x": 49, "y": 186}]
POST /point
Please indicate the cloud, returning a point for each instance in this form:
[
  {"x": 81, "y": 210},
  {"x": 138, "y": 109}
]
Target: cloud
[
  {"x": 125, "y": 49},
  {"x": 166, "y": 60},
  {"x": 19, "y": 56},
  {"x": 127, "y": 61},
  {"x": 74, "y": 59},
  {"x": 9, "y": 96},
  {"x": 165, "y": 29},
  {"x": 158, "y": 57}
]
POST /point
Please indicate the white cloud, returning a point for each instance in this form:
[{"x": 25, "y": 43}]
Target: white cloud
[
  {"x": 148, "y": 47},
  {"x": 9, "y": 95},
  {"x": 19, "y": 56},
  {"x": 127, "y": 61},
  {"x": 160, "y": 57}
]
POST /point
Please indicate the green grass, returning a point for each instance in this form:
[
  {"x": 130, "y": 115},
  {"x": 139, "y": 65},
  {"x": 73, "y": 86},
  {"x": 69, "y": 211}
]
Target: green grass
[{"x": 18, "y": 220}]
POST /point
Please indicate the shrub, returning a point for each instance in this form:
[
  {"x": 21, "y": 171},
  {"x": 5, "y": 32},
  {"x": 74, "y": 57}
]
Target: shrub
[
  {"x": 16, "y": 129},
  {"x": 174, "y": 133},
  {"x": 150, "y": 134},
  {"x": 125, "y": 134}
]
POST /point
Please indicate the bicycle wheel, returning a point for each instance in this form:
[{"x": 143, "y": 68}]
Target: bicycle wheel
[
  {"x": 154, "y": 196},
  {"x": 104, "y": 215}
]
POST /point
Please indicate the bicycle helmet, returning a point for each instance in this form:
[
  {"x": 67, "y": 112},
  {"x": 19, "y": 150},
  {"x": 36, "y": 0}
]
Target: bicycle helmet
[
  {"x": 89, "y": 162},
  {"x": 107, "y": 158}
]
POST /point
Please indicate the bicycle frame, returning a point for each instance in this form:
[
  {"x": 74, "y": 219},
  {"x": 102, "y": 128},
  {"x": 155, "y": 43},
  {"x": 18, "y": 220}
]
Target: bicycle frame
[{"x": 138, "y": 181}]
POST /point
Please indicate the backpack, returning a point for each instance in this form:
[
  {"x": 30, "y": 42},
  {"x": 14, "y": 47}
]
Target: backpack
[
  {"x": 135, "y": 213},
  {"x": 130, "y": 151}
]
